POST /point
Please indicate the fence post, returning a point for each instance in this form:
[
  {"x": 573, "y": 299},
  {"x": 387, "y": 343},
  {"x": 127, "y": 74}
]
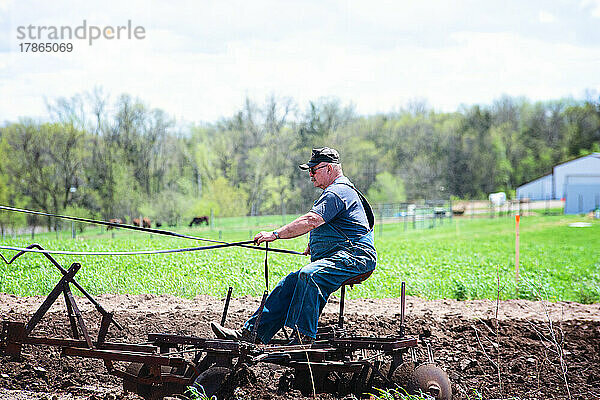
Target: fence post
[
  {"x": 72, "y": 230},
  {"x": 517, "y": 218}
]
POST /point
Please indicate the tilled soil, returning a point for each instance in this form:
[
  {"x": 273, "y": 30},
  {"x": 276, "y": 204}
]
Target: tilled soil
[{"x": 531, "y": 350}]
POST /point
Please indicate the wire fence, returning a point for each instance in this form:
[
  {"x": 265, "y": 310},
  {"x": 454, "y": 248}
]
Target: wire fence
[
  {"x": 428, "y": 214},
  {"x": 423, "y": 214},
  {"x": 413, "y": 215}
]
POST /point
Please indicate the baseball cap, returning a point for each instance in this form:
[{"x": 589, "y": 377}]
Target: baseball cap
[{"x": 322, "y": 154}]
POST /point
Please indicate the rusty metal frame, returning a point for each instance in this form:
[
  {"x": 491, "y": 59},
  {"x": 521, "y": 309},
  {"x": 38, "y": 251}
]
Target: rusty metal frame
[
  {"x": 163, "y": 355},
  {"x": 16, "y": 334}
]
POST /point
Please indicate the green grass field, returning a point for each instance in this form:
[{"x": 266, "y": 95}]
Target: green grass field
[{"x": 458, "y": 260}]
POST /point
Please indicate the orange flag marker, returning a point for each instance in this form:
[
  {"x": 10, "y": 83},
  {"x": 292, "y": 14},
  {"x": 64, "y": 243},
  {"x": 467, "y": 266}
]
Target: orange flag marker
[{"x": 517, "y": 218}]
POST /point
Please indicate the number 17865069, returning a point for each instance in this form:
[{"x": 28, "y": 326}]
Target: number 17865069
[{"x": 46, "y": 47}]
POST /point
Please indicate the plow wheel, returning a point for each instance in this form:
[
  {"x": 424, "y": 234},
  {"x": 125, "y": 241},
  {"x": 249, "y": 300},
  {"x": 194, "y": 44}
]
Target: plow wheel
[
  {"x": 211, "y": 381},
  {"x": 146, "y": 390},
  {"x": 432, "y": 380},
  {"x": 402, "y": 374},
  {"x": 140, "y": 370}
]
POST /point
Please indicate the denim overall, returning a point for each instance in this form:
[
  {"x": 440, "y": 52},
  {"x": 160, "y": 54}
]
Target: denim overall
[{"x": 299, "y": 298}]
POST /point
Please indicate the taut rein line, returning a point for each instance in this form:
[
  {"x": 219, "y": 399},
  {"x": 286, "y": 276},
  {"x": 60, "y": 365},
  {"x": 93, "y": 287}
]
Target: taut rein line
[
  {"x": 220, "y": 244},
  {"x": 22, "y": 250}
]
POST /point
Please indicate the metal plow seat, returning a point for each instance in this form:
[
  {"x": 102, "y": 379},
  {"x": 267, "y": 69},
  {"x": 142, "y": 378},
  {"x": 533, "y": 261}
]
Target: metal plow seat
[{"x": 355, "y": 280}]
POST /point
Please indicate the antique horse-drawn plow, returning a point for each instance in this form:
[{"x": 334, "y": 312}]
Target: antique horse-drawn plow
[{"x": 166, "y": 364}]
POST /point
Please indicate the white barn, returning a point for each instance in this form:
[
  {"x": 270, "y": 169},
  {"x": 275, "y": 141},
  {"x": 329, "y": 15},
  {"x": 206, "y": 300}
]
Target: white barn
[
  {"x": 538, "y": 189},
  {"x": 577, "y": 181}
]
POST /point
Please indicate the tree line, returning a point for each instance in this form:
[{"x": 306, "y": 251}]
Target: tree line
[{"x": 105, "y": 158}]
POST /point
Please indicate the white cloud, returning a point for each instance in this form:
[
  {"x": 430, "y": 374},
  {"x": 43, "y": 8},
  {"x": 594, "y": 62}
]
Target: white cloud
[
  {"x": 199, "y": 63},
  {"x": 545, "y": 17},
  {"x": 5, "y": 4},
  {"x": 594, "y": 5}
]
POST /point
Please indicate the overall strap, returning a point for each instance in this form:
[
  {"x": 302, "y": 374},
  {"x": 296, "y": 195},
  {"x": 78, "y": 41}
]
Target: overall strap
[
  {"x": 366, "y": 207},
  {"x": 365, "y": 203}
]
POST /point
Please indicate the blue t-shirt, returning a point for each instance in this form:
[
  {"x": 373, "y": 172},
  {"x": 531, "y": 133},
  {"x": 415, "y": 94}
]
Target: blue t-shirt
[{"x": 341, "y": 207}]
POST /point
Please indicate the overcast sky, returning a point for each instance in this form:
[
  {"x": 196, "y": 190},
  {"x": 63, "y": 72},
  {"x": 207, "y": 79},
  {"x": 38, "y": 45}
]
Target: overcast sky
[{"x": 200, "y": 59}]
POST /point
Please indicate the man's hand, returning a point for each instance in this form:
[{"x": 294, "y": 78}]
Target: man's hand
[
  {"x": 301, "y": 225},
  {"x": 264, "y": 237},
  {"x": 307, "y": 250}
]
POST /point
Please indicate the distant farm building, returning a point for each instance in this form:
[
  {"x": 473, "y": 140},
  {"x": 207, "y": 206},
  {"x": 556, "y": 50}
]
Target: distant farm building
[{"x": 577, "y": 181}]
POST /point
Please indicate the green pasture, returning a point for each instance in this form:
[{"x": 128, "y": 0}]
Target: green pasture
[{"x": 460, "y": 259}]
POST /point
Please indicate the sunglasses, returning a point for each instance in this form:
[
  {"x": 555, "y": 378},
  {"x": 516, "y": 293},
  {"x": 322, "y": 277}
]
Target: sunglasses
[{"x": 314, "y": 169}]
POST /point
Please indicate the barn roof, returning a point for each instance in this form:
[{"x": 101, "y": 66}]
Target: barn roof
[
  {"x": 533, "y": 180},
  {"x": 595, "y": 155}
]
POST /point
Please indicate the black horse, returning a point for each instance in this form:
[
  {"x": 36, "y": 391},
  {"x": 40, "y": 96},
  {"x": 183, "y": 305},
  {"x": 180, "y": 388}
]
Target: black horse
[{"x": 199, "y": 221}]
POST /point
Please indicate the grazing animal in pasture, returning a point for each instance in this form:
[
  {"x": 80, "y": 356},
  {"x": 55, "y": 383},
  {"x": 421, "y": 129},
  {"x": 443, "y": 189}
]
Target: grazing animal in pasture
[
  {"x": 145, "y": 222},
  {"x": 199, "y": 221},
  {"x": 114, "y": 221}
]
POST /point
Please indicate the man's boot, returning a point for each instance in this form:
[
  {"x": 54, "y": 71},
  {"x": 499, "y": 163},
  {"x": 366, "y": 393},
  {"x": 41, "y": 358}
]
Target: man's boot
[
  {"x": 221, "y": 332},
  {"x": 302, "y": 339}
]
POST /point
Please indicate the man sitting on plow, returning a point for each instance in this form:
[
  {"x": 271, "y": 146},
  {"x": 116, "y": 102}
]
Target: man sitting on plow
[{"x": 340, "y": 245}]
